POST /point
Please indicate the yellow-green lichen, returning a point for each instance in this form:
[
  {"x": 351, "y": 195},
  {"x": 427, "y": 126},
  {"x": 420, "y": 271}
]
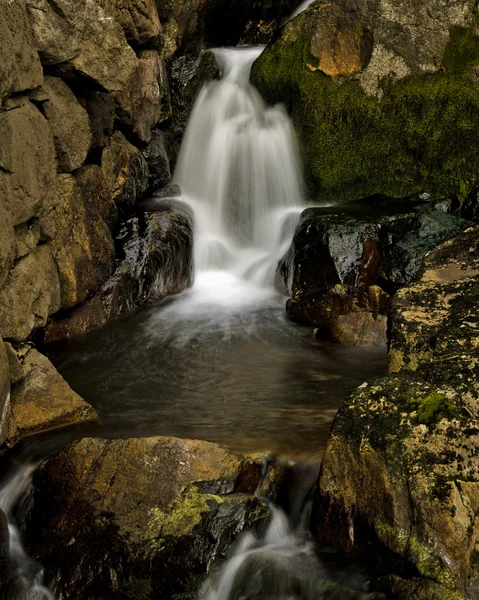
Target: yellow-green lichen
[
  {"x": 432, "y": 408},
  {"x": 179, "y": 518}
]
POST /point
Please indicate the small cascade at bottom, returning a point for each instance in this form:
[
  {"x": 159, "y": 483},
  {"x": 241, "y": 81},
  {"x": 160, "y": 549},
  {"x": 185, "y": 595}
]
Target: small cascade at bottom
[{"x": 24, "y": 579}]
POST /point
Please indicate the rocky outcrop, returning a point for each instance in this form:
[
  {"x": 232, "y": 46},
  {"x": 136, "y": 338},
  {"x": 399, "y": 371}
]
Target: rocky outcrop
[
  {"x": 41, "y": 399},
  {"x": 140, "y": 518},
  {"x": 400, "y": 473},
  {"x": 346, "y": 260},
  {"x": 158, "y": 262},
  {"x": 383, "y": 95}
]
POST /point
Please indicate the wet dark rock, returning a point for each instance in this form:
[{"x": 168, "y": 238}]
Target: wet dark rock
[
  {"x": 140, "y": 518},
  {"x": 400, "y": 476},
  {"x": 377, "y": 241},
  {"x": 156, "y": 156},
  {"x": 156, "y": 258},
  {"x": 4, "y": 546},
  {"x": 470, "y": 207}
]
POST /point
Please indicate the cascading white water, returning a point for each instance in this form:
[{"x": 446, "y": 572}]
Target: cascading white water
[
  {"x": 26, "y": 576},
  {"x": 302, "y": 7},
  {"x": 238, "y": 170}
]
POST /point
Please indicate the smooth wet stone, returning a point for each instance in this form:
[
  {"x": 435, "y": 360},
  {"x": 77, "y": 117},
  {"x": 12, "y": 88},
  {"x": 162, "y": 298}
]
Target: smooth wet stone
[
  {"x": 42, "y": 399},
  {"x": 147, "y": 514},
  {"x": 400, "y": 475}
]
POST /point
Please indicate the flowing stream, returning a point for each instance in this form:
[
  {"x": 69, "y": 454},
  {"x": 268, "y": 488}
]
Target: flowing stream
[{"x": 219, "y": 361}]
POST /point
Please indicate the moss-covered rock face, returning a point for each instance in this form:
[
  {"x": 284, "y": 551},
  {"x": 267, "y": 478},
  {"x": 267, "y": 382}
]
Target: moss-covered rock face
[
  {"x": 401, "y": 470},
  {"x": 383, "y": 95},
  {"x": 140, "y": 518}
]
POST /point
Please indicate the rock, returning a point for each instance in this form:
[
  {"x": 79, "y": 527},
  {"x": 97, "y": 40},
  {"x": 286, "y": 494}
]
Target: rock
[
  {"x": 27, "y": 237},
  {"x": 400, "y": 476},
  {"x": 43, "y": 400},
  {"x": 7, "y": 242},
  {"x": 470, "y": 207},
  {"x": 156, "y": 157},
  {"x": 358, "y": 245},
  {"x": 146, "y": 100},
  {"x": 140, "y": 515},
  {"x": 82, "y": 41},
  {"x": 124, "y": 169},
  {"x": 100, "y": 107},
  {"x": 139, "y": 19},
  {"x": 27, "y": 161},
  {"x": 367, "y": 81},
  {"x": 69, "y": 123},
  {"x": 81, "y": 242},
  {"x": 4, "y": 400},
  {"x": 158, "y": 262},
  {"x": 30, "y": 295},
  {"x": 20, "y": 67},
  {"x": 359, "y": 329}
]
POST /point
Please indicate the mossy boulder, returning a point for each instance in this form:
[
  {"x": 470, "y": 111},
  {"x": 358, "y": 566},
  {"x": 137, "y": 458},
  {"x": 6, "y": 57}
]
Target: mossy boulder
[
  {"x": 400, "y": 475},
  {"x": 140, "y": 518},
  {"x": 383, "y": 95}
]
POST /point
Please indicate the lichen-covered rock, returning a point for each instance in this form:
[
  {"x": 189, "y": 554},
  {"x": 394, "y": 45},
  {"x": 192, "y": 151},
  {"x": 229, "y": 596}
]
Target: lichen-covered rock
[
  {"x": 30, "y": 294},
  {"x": 82, "y": 41},
  {"x": 124, "y": 169},
  {"x": 382, "y": 95},
  {"x": 81, "y": 242},
  {"x": 69, "y": 123},
  {"x": 146, "y": 99},
  {"x": 20, "y": 67},
  {"x": 158, "y": 262},
  {"x": 27, "y": 161},
  {"x": 42, "y": 399},
  {"x": 400, "y": 476},
  {"x": 7, "y": 242},
  {"x": 139, "y": 19},
  {"x": 140, "y": 518}
]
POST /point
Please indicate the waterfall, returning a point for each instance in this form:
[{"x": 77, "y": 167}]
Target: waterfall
[
  {"x": 238, "y": 170},
  {"x": 25, "y": 576}
]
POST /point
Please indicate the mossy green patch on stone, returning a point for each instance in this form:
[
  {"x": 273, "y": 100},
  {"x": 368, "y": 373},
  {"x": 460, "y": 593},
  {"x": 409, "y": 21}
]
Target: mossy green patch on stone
[
  {"x": 179, "y": 518},
  {"x": 432, "y": 408},
  {"x": 421, "y": 134},
  {"x": 138, "y": 589}
]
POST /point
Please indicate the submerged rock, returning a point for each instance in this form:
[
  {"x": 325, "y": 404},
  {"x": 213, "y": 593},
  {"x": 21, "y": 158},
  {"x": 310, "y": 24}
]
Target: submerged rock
[
  {"x": 140, "y": 518},
  {"x": 41, "y": 399},
  {"x": 348, "y": 258},
  {"x": 400, "y": 476}
]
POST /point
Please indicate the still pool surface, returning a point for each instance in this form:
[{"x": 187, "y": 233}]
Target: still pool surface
[{"x": 218, "y": 365}]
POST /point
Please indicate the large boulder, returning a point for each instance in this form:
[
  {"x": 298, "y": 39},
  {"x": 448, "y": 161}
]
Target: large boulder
[
  {"x": 31, "y": 293},
  {"x": 4, "y": 392},
  {"x": 82, "y": 41},
  {"x": 157, "y": 261},
  {"x": 139, "y": 19},
  {"x": 27, "y": 161},
  {"x": 400, "y": 475},
  {"x": 347, "y": 258},
  {"x": 42, "y": 399},
  {"x": 140, "y": 518},
  {"x": 69, "y": 123},
  {"x": 81, "y": 242},
  {"x": 382, "y": 94},
  {"x": 20, "y": 67}
]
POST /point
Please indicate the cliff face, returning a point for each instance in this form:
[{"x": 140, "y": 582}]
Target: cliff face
[
  {"x": 86, "y": 127},
  {"x": 383, "y": 95}
]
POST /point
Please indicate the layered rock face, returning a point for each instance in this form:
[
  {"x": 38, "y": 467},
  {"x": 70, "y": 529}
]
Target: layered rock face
[
  {"x": 140, "y": 518},
  {"x": 383, "y": 95},
  {"x": 400, "y": 473}
]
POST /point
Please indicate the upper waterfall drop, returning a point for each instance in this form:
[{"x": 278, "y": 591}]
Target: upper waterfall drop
[{"x": 238, "y": 170}]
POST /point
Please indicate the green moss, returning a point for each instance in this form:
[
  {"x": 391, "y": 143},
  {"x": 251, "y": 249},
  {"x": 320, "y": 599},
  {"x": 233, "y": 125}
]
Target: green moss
[
  {"x": 431, "y": 409},
  {"x": 138, "y": 589},
  {"x": 420, "y": 135},
  {"x": 179, "y": 518}
]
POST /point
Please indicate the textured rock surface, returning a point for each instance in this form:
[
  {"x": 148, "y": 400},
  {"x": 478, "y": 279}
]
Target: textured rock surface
[
  {"x": 42, "y": 399},
  {"x": 400, "y": 473},
  {"x": 69, "y": 123},
  {"x": 382, "y": 95},
  {"x": 145, "y": 514},
  {"x": 4, "y": 392}
]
